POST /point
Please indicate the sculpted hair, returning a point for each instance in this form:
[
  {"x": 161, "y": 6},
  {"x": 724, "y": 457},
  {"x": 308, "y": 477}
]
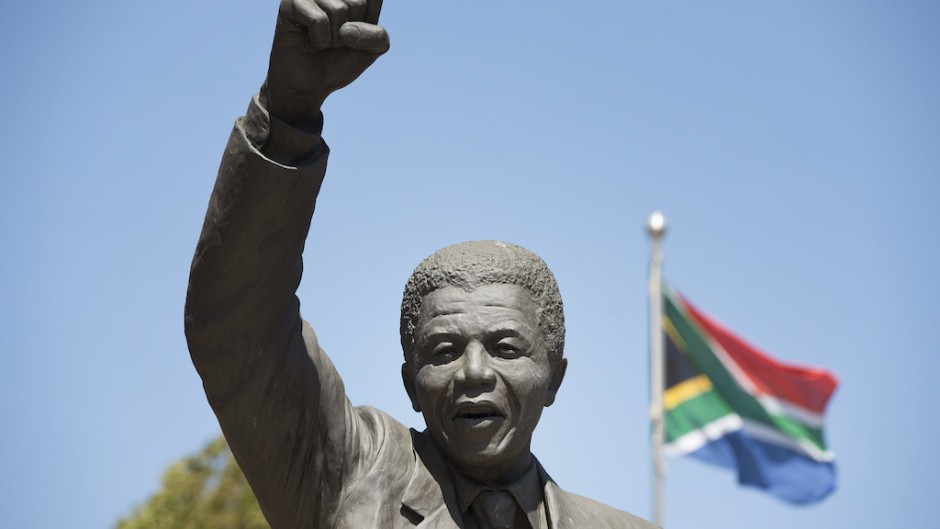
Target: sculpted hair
[{"x": 472, "y": 264}]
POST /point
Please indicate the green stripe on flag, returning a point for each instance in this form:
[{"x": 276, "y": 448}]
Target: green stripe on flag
[{"x": 694, "y": 414}]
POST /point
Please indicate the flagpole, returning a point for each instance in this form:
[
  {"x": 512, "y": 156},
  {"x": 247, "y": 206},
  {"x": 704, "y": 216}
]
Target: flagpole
[{"x": 656, "y": 228}]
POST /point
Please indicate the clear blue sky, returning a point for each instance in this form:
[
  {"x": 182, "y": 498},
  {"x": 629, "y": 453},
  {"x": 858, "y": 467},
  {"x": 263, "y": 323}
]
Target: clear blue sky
[{"x": 794, "y": 147}]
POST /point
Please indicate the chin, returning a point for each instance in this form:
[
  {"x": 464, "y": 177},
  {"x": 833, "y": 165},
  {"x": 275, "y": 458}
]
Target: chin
[{"x": 496, "y": 450}]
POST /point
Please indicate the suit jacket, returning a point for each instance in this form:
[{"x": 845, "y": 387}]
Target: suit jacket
[{"x": 312, "y": 459}]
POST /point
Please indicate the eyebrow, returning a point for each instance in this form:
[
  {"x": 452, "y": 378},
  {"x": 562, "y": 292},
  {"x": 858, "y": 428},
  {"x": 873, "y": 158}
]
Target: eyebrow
[
  {"x": 501, "y": 332},
  {"x": 440, "y": 333}
]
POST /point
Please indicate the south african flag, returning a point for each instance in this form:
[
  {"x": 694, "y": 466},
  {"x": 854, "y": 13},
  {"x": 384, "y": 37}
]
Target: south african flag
[{"x": 728, "y": 403}]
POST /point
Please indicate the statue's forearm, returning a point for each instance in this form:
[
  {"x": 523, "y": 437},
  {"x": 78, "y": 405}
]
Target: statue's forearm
[
  {"x": 248, "y": 260},
  {"x": 276, "y": 394}
]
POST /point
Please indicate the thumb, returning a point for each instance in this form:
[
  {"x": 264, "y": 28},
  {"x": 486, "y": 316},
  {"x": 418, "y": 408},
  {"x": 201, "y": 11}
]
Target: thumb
[{"x": 365, "y": 37}]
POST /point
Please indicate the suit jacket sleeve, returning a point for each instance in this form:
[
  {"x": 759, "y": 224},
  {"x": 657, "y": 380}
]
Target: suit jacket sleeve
[{"x": 278, "y": 398}]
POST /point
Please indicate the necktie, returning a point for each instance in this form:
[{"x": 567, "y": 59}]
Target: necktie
[{"x": 495, "y": 509}]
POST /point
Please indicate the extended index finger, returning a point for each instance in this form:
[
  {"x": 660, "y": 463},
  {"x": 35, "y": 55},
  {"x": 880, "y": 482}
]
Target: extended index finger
[{"x": 373, "y": 10}]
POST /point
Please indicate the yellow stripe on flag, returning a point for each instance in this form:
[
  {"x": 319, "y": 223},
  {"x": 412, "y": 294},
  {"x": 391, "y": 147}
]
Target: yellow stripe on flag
[{"x": 686, "y": 390}]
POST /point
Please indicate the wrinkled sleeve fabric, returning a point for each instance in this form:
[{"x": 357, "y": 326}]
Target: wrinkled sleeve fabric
[{"x": 278, "y": 398}]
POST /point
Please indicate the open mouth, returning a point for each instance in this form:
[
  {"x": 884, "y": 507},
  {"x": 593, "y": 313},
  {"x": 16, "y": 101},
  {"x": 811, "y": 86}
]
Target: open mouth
[{"x": 478, "y": 411}]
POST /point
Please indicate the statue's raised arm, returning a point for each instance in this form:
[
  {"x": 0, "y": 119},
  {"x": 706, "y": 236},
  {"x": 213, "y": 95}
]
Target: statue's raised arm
[{"x": 278, "y": 398}]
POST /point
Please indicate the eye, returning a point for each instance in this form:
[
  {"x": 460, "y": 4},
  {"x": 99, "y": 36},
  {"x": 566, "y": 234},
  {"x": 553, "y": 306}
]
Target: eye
[
  {"x": 509, "y": 348},
  {"x": 444, "y": 352}
]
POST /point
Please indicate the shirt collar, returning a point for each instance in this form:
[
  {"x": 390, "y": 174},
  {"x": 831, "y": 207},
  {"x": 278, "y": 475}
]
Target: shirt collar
[{"x": 527, "y": 491}]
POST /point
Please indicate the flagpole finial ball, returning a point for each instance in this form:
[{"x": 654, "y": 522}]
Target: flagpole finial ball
[{"x": 656, "y": 226}]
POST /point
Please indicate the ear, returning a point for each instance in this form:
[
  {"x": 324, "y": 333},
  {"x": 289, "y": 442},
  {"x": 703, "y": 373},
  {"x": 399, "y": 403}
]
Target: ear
[
  {"x": 408, "y": 378},
  {"x": 558, "y": 374}
]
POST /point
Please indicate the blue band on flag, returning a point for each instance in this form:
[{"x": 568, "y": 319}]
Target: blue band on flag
[{"x": 779, "y": 470}]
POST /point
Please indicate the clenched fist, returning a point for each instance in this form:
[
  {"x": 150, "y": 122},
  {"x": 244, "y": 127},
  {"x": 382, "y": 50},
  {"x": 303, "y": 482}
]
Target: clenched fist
[{"x": 319, "y": 47}]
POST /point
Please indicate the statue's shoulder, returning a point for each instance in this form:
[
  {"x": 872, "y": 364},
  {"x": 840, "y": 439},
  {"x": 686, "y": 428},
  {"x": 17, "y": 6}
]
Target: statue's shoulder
[
  {"x": 384, "y": 453},
  {"x": 585, "y": 512},
  {"x": 569, "y": 510},
  {"x": 383, "y": 430}
]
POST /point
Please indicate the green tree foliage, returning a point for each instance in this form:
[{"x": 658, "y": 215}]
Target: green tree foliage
[{"x": 203, "y": 491}]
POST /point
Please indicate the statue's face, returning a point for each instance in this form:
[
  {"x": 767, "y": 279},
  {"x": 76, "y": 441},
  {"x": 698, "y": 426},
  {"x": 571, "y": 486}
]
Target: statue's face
[{"x": 481, "y": 375}]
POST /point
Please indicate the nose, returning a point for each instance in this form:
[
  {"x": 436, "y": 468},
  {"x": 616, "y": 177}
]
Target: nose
[{"x": 476, "y": 369}]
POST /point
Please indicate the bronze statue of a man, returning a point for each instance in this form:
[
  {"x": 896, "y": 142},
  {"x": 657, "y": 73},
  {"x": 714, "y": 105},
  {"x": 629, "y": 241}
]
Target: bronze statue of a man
[{"x": 482, "y": 332}]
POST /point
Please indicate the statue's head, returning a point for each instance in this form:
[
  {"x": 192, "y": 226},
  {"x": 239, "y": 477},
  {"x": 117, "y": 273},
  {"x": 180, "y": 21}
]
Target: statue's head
[{"x": 482, "y": 329}]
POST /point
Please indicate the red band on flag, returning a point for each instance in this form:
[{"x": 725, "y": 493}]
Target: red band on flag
[{"x": 809, "y": 388}]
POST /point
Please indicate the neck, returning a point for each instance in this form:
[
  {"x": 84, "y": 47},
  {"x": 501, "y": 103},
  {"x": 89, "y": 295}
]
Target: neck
[{"x": 497, "y": 474}]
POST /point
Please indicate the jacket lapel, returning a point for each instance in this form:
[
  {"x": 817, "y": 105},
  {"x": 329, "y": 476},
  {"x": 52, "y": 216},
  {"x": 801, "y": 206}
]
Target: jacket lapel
[
  {"x": 556, "y": 503},
  {"x": 430, "y": 491}
]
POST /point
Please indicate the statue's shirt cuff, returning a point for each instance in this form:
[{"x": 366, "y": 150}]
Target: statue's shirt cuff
[{"x": 294, "y": 145}]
